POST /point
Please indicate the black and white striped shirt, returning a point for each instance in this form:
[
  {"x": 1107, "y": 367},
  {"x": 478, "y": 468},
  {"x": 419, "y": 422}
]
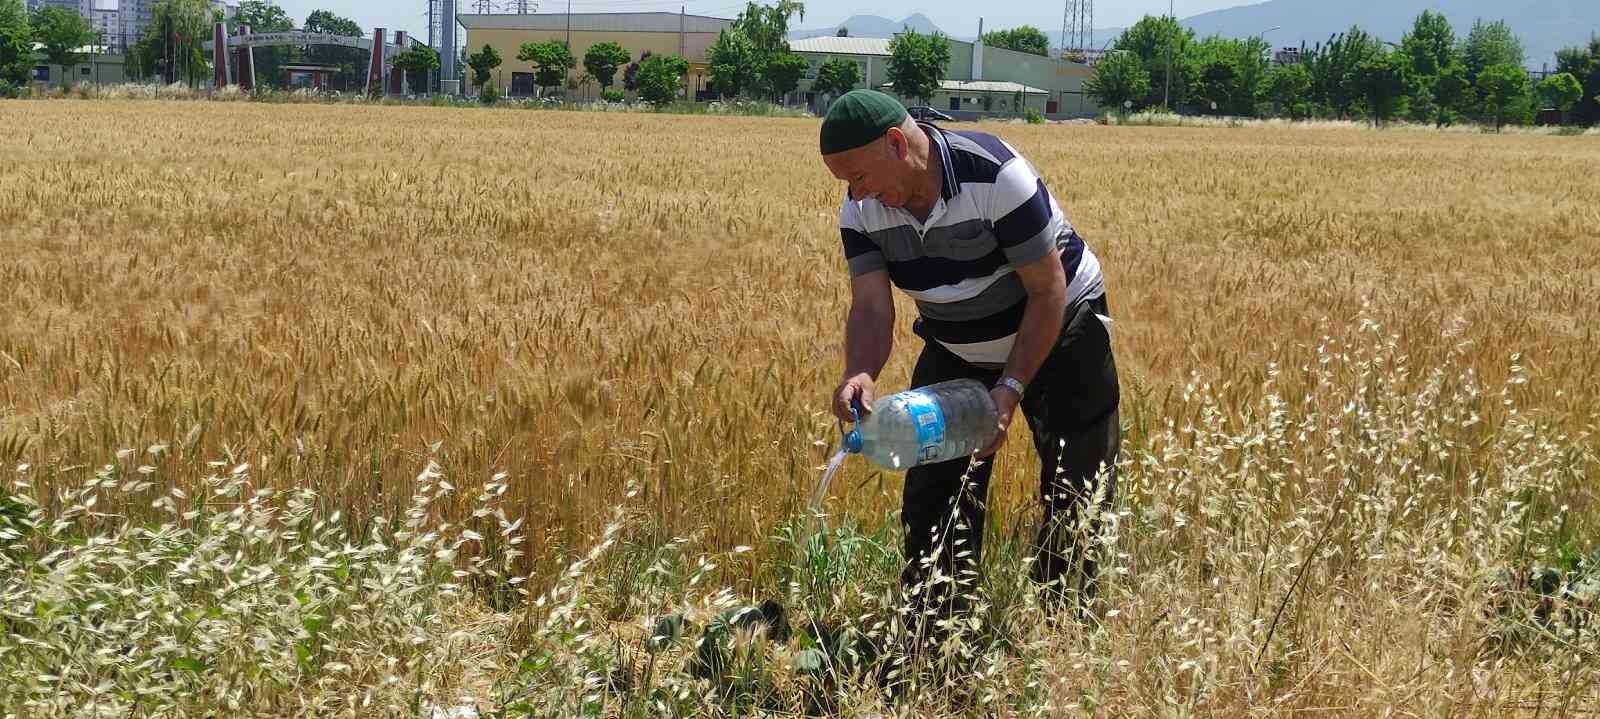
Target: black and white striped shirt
[{"x": 994, "y": 214}]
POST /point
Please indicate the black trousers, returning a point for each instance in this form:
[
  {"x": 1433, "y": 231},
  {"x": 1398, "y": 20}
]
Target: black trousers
[{"x": 1071, "y": 409}]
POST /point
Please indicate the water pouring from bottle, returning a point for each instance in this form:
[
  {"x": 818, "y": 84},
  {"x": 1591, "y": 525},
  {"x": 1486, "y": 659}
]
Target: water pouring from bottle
[
  {"x": 834, "y": 464},
  {"x": 937, "y": 423}
]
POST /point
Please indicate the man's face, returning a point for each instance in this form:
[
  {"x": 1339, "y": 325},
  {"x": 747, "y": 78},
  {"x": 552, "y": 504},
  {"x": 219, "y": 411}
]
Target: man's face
[{"x": 877, "y": 170}]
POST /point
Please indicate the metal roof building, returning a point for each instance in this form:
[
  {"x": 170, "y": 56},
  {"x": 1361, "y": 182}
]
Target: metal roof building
[{"x": 842, "y": 46}]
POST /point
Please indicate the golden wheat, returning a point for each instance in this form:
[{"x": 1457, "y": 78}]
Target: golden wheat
[
  {"x": 588, "y": 302},
  {"x": 576, "y": 297}
]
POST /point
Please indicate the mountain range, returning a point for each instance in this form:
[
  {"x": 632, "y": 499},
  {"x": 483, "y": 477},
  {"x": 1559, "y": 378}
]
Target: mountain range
[
  {"x": 875, "y": 26},
  {"x": 1545, "y": 26}
]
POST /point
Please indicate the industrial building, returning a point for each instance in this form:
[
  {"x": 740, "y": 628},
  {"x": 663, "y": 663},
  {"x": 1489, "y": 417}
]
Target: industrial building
[
  {"x": 659, "y": 33},
  {"x": 979, "y": 80}
]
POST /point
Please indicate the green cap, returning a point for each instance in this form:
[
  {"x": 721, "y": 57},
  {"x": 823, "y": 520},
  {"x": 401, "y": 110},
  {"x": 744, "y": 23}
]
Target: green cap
[{"x": 857, "y": 118}]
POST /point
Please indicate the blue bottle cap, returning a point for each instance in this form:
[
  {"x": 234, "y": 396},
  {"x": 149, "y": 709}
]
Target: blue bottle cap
[{"x": 852, "y": 439}]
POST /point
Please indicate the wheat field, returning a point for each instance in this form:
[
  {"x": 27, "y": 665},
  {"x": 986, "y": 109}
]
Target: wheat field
[{"x": 586, "y": 357}]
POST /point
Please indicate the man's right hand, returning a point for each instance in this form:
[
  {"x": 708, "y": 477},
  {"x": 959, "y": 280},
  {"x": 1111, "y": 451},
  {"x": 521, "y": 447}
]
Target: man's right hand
[{"x": 857, "y": 387}]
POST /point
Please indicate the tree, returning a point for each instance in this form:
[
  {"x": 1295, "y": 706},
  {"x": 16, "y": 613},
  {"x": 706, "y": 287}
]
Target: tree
[
  {"x": 1584, "y": 64},
  {"x": 1381, "y": 82},
  {"x": 16, "y": 45},
  {"x": 1027, "y": 38},
  {"x": 1429, "y": 49},
  {"x": 61, "y": 32},
  {"x": 767, "y": 26},
  {"x": 917, "y": 63},
  {"x": 1119, "y": 78},
  {"x": 1561, "y": 91},
  {"x": 1431, "y": 44},
  {"x": 1228, "y": 74},
  {"x": 169, "y": 46},
  {"x": 1489, "y": 45},
  {"x": 1504, "y": 89},
  {"x": 1288, "y": 89},
  {"x": 352, "y": 62},
  {"x": 1150, "y": 40},
  {"x": 1332, "y": 67},
  {"x": 602, "y": 61},
  {"x": 660, "y": 77},
  {"x": 263, "y": 16},
  {"x": 842, "y": 32},
  {"x": 836, "y": 77},
  {"x": 630, "y": 76},
  {"x": 324, "y": 21},
  {"x": 551, "y": 59},
  {"x": 733, "y": 65},
  {"x": 742, "y": 53},
  {"x": 416, "y": 63},
  {"x": 782, "y": 73},
  {"x": 1450, "y": 93},
  {"x": 482, "y": 63}
]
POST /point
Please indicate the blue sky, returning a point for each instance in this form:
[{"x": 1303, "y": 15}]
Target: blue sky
[{"x": 953, "y": 16}]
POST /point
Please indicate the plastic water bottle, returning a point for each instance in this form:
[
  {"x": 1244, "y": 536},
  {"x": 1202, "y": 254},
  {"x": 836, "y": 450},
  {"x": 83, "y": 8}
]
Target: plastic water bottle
[{"x": 940, "y": 422}]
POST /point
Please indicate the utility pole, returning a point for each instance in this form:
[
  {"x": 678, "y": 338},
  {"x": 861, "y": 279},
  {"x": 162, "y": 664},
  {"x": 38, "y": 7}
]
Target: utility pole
[
  {"x": 1166, "y": 82},
  {"x": 683, "y": 50}
]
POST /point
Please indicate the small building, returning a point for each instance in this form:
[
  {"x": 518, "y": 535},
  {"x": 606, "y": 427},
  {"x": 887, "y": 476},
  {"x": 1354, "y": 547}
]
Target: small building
[
  {"x": 315, "y": 77},
  {"x": 99, "y": 65}
]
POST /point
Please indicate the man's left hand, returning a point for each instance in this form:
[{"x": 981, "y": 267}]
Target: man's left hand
[{"x": 1005, "y": 404}]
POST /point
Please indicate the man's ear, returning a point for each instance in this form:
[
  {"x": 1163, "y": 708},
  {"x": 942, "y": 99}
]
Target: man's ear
[{"x": 896, "y": 143}]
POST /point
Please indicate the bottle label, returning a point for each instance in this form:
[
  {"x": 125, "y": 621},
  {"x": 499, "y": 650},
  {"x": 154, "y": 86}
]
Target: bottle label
[{"x": 928, "y": 418}]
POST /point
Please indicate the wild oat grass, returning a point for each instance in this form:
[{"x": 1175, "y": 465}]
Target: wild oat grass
[{"x": 369, "y": 411}]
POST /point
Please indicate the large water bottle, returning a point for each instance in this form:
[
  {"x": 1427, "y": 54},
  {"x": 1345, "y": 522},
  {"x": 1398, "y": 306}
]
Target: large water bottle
[{"x": 931, "y": 424}]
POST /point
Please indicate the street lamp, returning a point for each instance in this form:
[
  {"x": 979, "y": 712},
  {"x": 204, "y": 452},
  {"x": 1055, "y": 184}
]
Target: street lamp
[{"x": 1263, "y": 34}]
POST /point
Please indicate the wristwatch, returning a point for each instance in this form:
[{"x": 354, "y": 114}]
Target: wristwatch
[{"x": 1012, "y": 383}]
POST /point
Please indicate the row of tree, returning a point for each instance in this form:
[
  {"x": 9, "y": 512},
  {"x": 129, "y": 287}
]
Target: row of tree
[
  {"x": 750, "y": 58},
  {"x": 1429, "y": 77},
  {"x": 656, "y": 78}
]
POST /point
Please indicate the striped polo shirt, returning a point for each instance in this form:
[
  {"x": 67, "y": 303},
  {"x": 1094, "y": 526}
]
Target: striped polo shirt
[{"x": 993, "y": 214}]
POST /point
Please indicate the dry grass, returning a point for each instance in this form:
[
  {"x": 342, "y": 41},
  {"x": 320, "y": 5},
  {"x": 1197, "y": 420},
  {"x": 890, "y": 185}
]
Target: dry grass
[{"x": 339, "y": 295}]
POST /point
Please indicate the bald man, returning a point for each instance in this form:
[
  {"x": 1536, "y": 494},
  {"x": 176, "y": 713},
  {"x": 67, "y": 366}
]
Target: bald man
[{"x": 1008, "y": 294}]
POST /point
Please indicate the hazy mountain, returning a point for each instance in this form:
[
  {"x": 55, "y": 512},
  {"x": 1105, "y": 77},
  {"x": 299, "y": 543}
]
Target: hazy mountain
[{"x": 875, "y": 26}]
